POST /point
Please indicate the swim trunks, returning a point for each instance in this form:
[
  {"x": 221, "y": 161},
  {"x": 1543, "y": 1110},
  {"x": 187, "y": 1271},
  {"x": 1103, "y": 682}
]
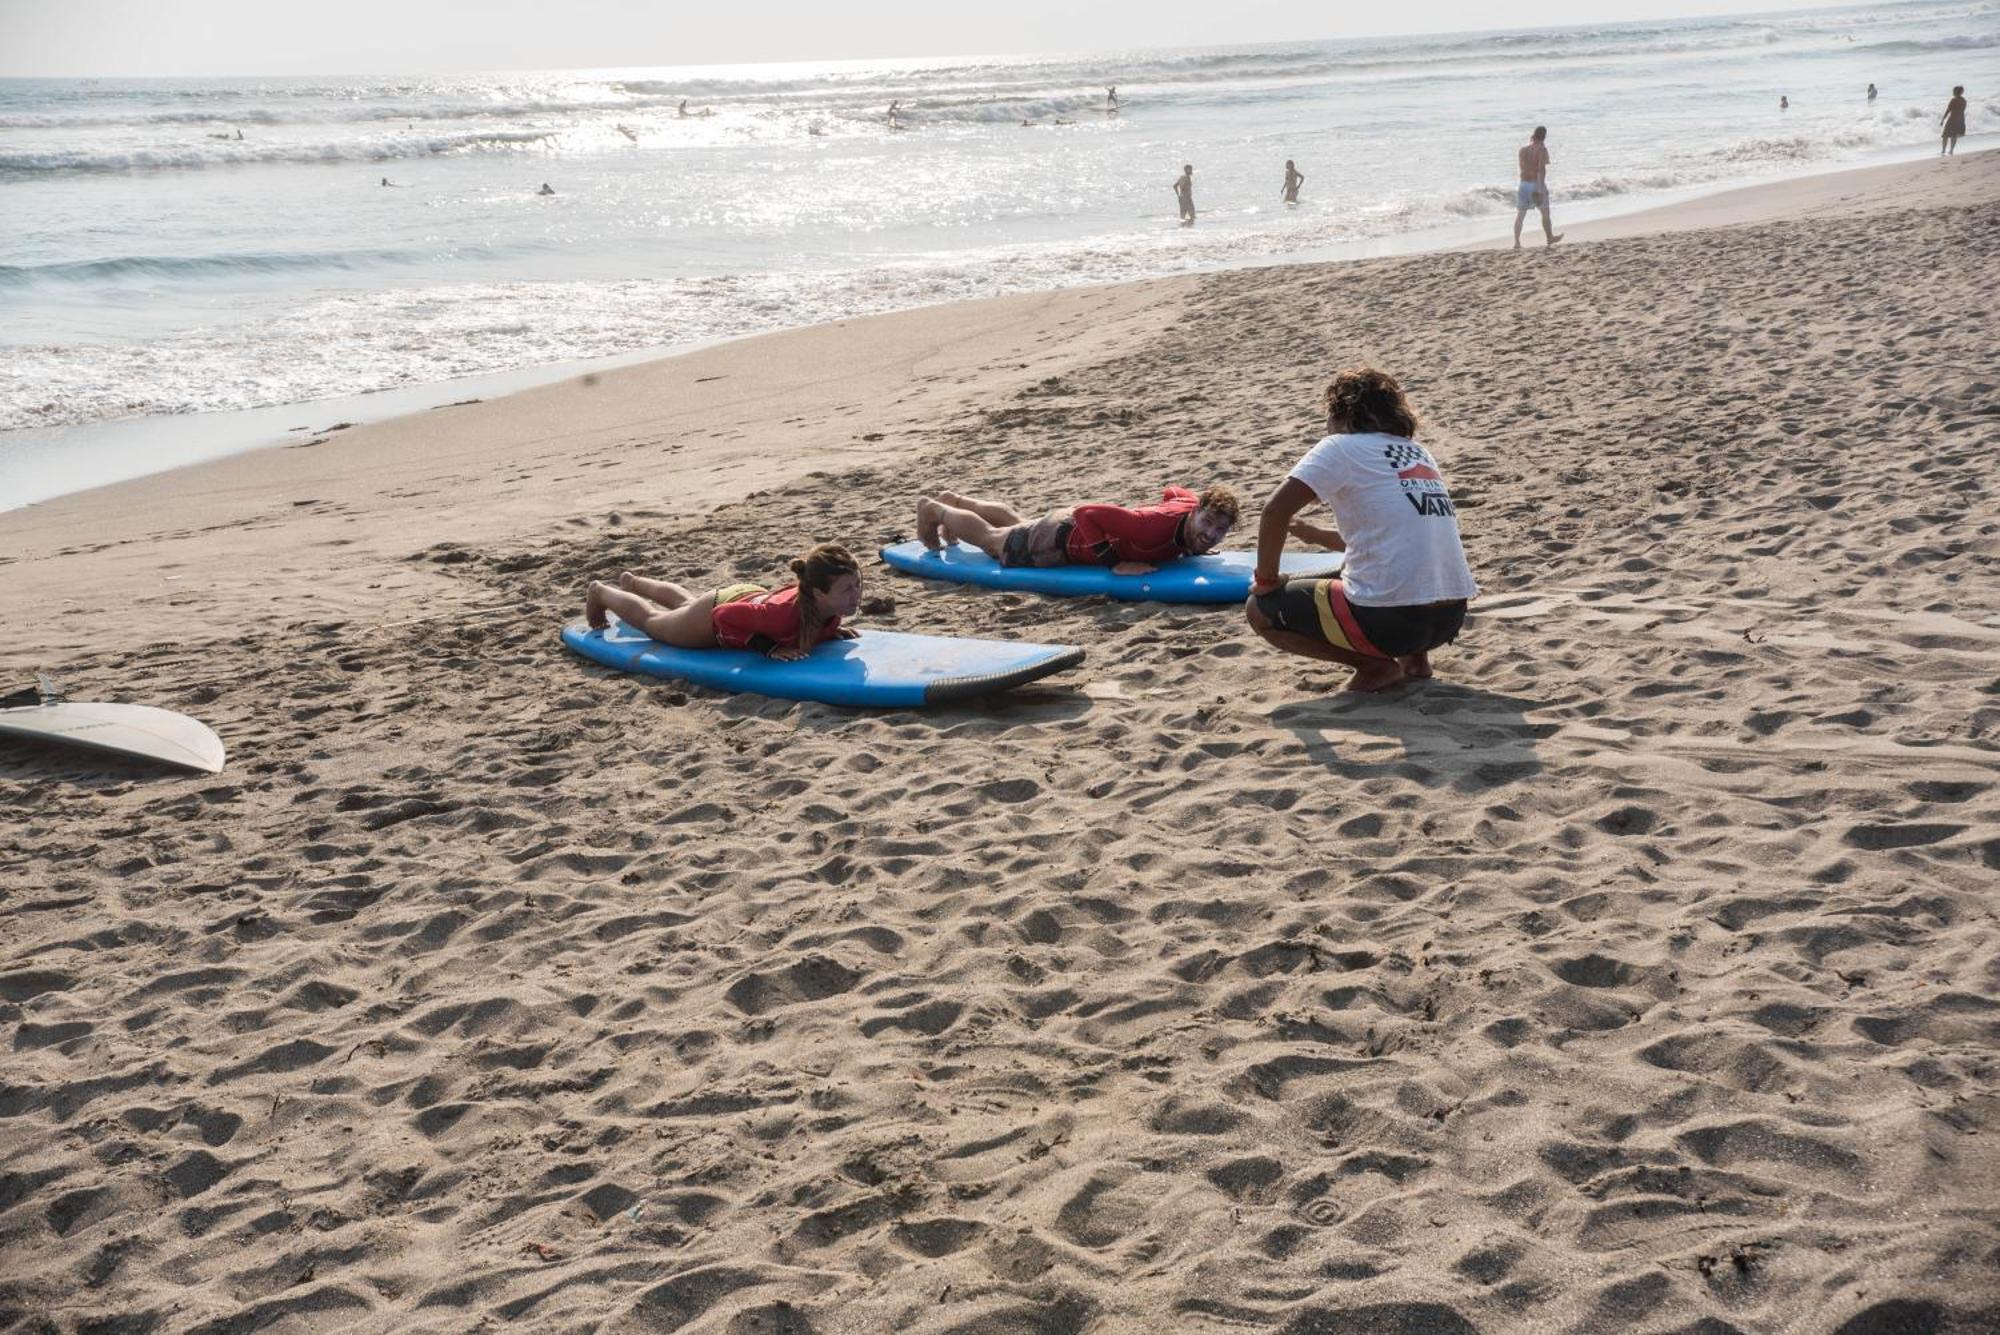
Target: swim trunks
[
  {"x": 1319, "y": 608},
  {"x": 1531, "y": 195},
  {"x": 1039, "y": 542}
]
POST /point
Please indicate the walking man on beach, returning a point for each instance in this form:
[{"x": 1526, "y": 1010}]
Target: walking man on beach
[
  {"x": 1533, "y": 192},
  {"x": 1952, "y": 123},
  {"x": 1184, "y": 194}
]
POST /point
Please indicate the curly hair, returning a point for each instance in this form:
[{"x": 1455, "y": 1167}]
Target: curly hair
[
  {"x": 1223, "y": 501},
  {"x": 816, "y": 572},
  {"x": 1363, "y": 399}
]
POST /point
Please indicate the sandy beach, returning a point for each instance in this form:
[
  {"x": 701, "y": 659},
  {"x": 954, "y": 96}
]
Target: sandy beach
[{"x": 1638, "y": 973}]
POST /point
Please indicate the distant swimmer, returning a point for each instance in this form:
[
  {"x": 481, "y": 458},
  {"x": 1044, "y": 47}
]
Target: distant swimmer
[
  {"x": 1784, "y": 103},
  {"x": 388, "y": 184},
  {"x": 815, "y": 130},
  {"x": 1293, "y": 180},
  {"x": 1871, "y": 92},
  {"x": 239, "y": 134},
  {"x": 1184, "y": 194},
  {"x": 682, "y": 109},
  {"x": 546, "y": 189},
  {"x": 895, "y": 110},
  {"x": 1952, "y": 123},
  {"x": 628, "y": 134},
  {"x": 1533, "y": 191}
]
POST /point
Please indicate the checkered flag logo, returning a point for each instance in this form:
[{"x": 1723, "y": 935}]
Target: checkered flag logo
[{"x": 1402, "y": 456}]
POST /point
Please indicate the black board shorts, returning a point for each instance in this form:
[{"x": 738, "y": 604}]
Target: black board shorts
[{"x": 1319, "y": 608}]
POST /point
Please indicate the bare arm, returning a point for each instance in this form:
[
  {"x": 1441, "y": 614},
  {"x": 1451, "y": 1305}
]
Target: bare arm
[
  {"x": 1318, "y": 535},
  {"x": 1291, "y": 497}
]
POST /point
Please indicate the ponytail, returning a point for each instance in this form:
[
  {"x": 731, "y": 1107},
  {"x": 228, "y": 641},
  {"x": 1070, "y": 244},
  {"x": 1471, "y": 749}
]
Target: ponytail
[{"x": 815, "y": 572}]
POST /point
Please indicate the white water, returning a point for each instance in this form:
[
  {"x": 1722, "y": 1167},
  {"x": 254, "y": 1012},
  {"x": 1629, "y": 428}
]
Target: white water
[{"x": 153, "y": 263}]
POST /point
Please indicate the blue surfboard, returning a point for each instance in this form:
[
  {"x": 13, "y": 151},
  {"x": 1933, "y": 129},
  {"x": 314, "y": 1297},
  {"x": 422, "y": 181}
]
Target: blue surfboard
[
  {"x": 1221, "y": 577},
  {"x": 882, "y": 669}
]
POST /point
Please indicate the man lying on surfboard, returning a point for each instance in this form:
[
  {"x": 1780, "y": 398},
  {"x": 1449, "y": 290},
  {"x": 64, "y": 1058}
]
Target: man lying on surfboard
[
  {"x": 783, "y": 624},
  {"x": 1131, "y": 542}
]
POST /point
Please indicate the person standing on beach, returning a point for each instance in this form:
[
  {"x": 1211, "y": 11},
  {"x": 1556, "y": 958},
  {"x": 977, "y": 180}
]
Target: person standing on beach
[
  {"x": 1533, "y": 191},
  {"x": 1293, "y": 180},
  {"x": 1952, "y": 123},
  {"x": 1404, "y": 588},
  {"x": 1184, "y": 194}
]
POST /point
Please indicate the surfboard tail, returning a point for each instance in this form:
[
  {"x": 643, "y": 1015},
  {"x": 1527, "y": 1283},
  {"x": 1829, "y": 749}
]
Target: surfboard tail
[{"x": 953, "y": 690}]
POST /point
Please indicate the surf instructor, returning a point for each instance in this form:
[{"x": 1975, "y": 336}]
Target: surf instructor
[{"x": 1406, "y": 583}]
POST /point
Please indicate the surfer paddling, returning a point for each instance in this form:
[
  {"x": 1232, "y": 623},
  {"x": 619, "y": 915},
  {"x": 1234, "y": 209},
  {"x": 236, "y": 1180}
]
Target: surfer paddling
[
  {"x": 784, "y": 624},
  {"x": 1406, "y": 583},
  {"x": 1132, "y": 542}
]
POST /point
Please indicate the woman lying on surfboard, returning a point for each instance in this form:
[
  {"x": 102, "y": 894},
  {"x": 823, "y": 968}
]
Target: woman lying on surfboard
[
  {"x": 1131, "y": 542},
  {"x": 1404, "y": 588},
  {"x": 783, "y": 624}
]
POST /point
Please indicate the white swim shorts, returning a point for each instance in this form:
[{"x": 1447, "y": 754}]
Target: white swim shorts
[{"x": 1531, "y": 196}]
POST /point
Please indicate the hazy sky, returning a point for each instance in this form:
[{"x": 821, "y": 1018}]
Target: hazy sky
[{"x": 171, "y": 37}]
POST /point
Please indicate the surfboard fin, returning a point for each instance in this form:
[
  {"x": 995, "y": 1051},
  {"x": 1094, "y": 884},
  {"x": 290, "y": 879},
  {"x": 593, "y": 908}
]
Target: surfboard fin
[{"x": 43, "y": 692}]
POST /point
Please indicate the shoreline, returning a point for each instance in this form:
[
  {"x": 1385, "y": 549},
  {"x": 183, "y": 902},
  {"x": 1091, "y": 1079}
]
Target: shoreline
[{"x": 123, "y": 444}]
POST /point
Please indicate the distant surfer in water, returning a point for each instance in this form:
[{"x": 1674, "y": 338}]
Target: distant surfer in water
[
  {"x": 1184, "y": 194},
  {"x": 546, "y": 189},
  {"x": 1111, "y": 99},
  {"x": 894, "y": 112},
  {"x": 1132, "y": 542},
  {"x": 1294, "y": 178},
  {"x": 628, "y": 134},
  {"x": 784, "y": 624}
]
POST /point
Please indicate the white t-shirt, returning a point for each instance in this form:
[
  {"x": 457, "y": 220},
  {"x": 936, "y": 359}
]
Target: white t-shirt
[{"x": 1389, "y": 501}]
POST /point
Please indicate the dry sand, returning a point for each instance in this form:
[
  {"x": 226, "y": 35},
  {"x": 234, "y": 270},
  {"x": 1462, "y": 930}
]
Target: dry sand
[{"x": 1637, "y": 974}]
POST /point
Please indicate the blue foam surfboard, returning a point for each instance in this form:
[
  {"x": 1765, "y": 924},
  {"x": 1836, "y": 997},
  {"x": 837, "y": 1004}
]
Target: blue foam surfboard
[
  {"x": 1221, "y": 577},
  {"x": 879, "y": 669}
]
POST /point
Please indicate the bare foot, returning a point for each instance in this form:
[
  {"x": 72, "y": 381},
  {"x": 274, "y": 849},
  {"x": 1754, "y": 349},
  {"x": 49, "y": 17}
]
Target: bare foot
[
  {"x": 1417, "y": 667},
  {"x": 1376, "y": 677},
  {"x": 1557, "y": 237},
  {"x": 951, "y": 498},
  {"x": 625, "y": 578},
  {"x": 593, "y": 605},
  {"x": 927, "y": 523}
]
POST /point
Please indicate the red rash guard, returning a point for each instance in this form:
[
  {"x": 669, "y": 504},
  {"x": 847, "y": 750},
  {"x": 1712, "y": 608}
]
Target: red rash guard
[
  {"x": 766, "y": 621},
  {"x": 1109, "y": 534}
]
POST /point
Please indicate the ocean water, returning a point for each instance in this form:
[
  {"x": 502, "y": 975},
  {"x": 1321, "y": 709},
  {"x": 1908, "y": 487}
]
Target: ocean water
[{"x": 174, "y": 247}]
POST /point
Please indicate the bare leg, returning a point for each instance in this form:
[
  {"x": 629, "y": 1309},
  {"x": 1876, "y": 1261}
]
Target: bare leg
[
  {"x": 1370, "y": 674},
  {"x": 1417, "y": 667},
  {"x": 997, "y": 513},
  {"x": 662, "y": 591},
  {"x": 1520, "y": 216},
  {"x": 938, "y": 523},
  {"x": 689, "y": 626},
  {"x": 1547, "y": 230}
]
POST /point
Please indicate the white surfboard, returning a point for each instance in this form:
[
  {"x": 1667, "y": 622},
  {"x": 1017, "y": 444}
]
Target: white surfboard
[{"x": 127, "y": 730}]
